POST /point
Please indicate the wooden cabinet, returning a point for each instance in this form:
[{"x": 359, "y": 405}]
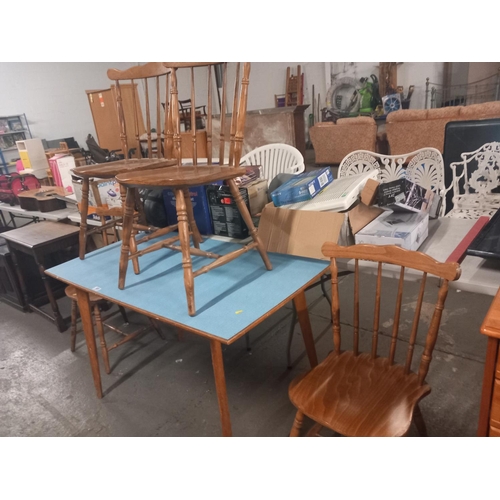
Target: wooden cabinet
[
  {"x": 489, "y": 412},
  {"x": 10, "y": 291},
  {"x": 105, "y": 115},
  {"x": 268, "y": 126},
  {"x": 107, "y": 125}
]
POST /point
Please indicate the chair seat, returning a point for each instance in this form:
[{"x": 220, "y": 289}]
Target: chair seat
[
  {"x": 112, "y": 169},
  {"x": 185, "y": 176},
  {"x": 358, "y": 396},
  {"x": 471, "y": 213}
]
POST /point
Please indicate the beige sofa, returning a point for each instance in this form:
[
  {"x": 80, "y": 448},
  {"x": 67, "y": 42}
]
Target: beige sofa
[
  {"x": 332, "y": 141},
  {"x": 411, "y": 129}
]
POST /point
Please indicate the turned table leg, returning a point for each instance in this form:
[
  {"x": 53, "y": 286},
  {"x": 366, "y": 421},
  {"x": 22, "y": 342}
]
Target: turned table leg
[
  {"x": 88, "y": 330},
  {"x": 305, "y": 326},
  {"x": 220, "y": 386}
]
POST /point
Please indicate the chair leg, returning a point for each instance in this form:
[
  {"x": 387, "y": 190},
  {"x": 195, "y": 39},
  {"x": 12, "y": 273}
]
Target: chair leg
[
  {"x": 105, "y": 232},
  {"x": 315, "y": 430},
  {"x": 197, "y": 239},
  {"x": 157, "y": 328},
  {"x": 84, "y": 208},
  {"x": 133, "y": 250},
  {"x": 128, "y": 219},
  {"x": 248, "y": 221},
  {"x": 124, "y": 314},
  {"x": 247, "y": 342},
  {"x": 419, "y": 422},
  {"x": 74, "y": 317},
  {"x": 100, "y": 331},
  {"x": 140, "y": 208},
  {"x": 180, "y": 205},
  {"x": 180, "y": 334},
  {"x": 297, "y": 424}
]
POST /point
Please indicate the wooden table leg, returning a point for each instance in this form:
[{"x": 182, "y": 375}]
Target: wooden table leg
[
  {"x": 59, "y": 321},
  {"x": 88, "y": 330},
  {"x": 487, "y": 391},
  {"x": 220, "y": 386},
  {"x": 305, "y": 326}
]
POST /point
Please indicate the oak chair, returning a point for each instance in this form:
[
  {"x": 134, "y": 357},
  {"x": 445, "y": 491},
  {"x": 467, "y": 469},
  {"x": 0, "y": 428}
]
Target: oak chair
[
  {"x": 153, "y": 77},
  {"x": 227, "y": 139},
  {"x": 474, "y": 180},
  {"x": 424, "y": 167},
  {"x": 364, "y": 394},
  {"x": 100, "y": 322}
]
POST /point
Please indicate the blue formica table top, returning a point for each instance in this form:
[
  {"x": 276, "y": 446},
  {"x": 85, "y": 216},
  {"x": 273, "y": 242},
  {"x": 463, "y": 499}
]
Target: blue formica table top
[{"x": 229, "y": 300}]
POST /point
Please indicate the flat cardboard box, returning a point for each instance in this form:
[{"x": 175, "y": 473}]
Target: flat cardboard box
[
  {"x": 403, "y": 229},
  {"x": 302, "y": 233}
]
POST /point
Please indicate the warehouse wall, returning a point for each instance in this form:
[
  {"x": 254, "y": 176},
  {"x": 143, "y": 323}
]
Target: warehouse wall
[{"x": 53, "y": 94}]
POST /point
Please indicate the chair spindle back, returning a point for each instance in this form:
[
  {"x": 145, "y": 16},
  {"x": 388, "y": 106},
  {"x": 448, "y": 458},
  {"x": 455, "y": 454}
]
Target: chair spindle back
[
  {"x": 405, "y": 259},
  {"x": 153, "y": 77},
  {"x": 229, "y": 146}
]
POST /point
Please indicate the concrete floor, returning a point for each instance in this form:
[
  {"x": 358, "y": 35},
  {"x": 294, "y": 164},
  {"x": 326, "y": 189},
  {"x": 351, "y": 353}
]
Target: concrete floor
[{"x": 166, "y": 388}]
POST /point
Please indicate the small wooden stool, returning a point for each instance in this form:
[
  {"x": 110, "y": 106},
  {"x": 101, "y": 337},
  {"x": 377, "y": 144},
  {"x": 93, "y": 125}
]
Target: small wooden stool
[{"x": 95, "y": 303}]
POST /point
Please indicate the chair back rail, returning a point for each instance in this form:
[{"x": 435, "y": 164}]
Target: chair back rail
[
  {"x": 475, "y": 178},
  {"x": 405, "y": 259}
]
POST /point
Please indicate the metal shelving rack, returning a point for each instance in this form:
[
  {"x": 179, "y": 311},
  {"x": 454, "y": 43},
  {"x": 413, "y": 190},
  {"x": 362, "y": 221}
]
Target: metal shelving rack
[{"x": 12, "y": 128}]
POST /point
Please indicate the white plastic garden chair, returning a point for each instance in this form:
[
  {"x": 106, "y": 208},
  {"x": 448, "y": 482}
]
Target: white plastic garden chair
[{"x": 275, "y": 159}]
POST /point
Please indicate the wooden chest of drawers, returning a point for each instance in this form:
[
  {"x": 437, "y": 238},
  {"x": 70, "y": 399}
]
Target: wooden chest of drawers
[{"x": 489, "y": 413}]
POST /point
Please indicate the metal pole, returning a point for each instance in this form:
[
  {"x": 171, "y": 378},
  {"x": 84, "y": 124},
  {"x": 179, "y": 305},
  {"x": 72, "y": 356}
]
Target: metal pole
[
  {"x": 497, "y": 91},
  {"x": 426, "y": 91}
]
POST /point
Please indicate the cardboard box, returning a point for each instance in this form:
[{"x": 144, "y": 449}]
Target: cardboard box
[
  {"x": 103, "y": 193},
  {"x": 403, "y": 195},
  {"x": 302, "y": 233},
  {"x": 61, "y": 166},
  {"x": 200, "y": 208},
  {"x": 406, "y": 230},
  {"x": 302, "y": 187}
]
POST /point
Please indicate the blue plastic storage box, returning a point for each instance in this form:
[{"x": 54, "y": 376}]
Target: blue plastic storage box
[{"x": 302, "y": 187}]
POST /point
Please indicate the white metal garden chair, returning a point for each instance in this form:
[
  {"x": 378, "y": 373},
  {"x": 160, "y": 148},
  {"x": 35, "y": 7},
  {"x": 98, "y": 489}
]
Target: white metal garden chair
[
  {"x": 474, "y": 179},
  {"x": 275, "y": 159},
  {"x": 424, "y": 167}
]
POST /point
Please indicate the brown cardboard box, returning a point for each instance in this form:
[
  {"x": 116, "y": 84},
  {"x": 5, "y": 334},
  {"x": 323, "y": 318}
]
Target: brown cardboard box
[
  {"x": 302, "y": 233},
  {"x": 257, "y": 195}
]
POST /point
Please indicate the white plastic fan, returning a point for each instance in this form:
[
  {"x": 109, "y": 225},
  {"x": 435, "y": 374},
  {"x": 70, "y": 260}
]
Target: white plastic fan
[{"x": 391, "y": 102}]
